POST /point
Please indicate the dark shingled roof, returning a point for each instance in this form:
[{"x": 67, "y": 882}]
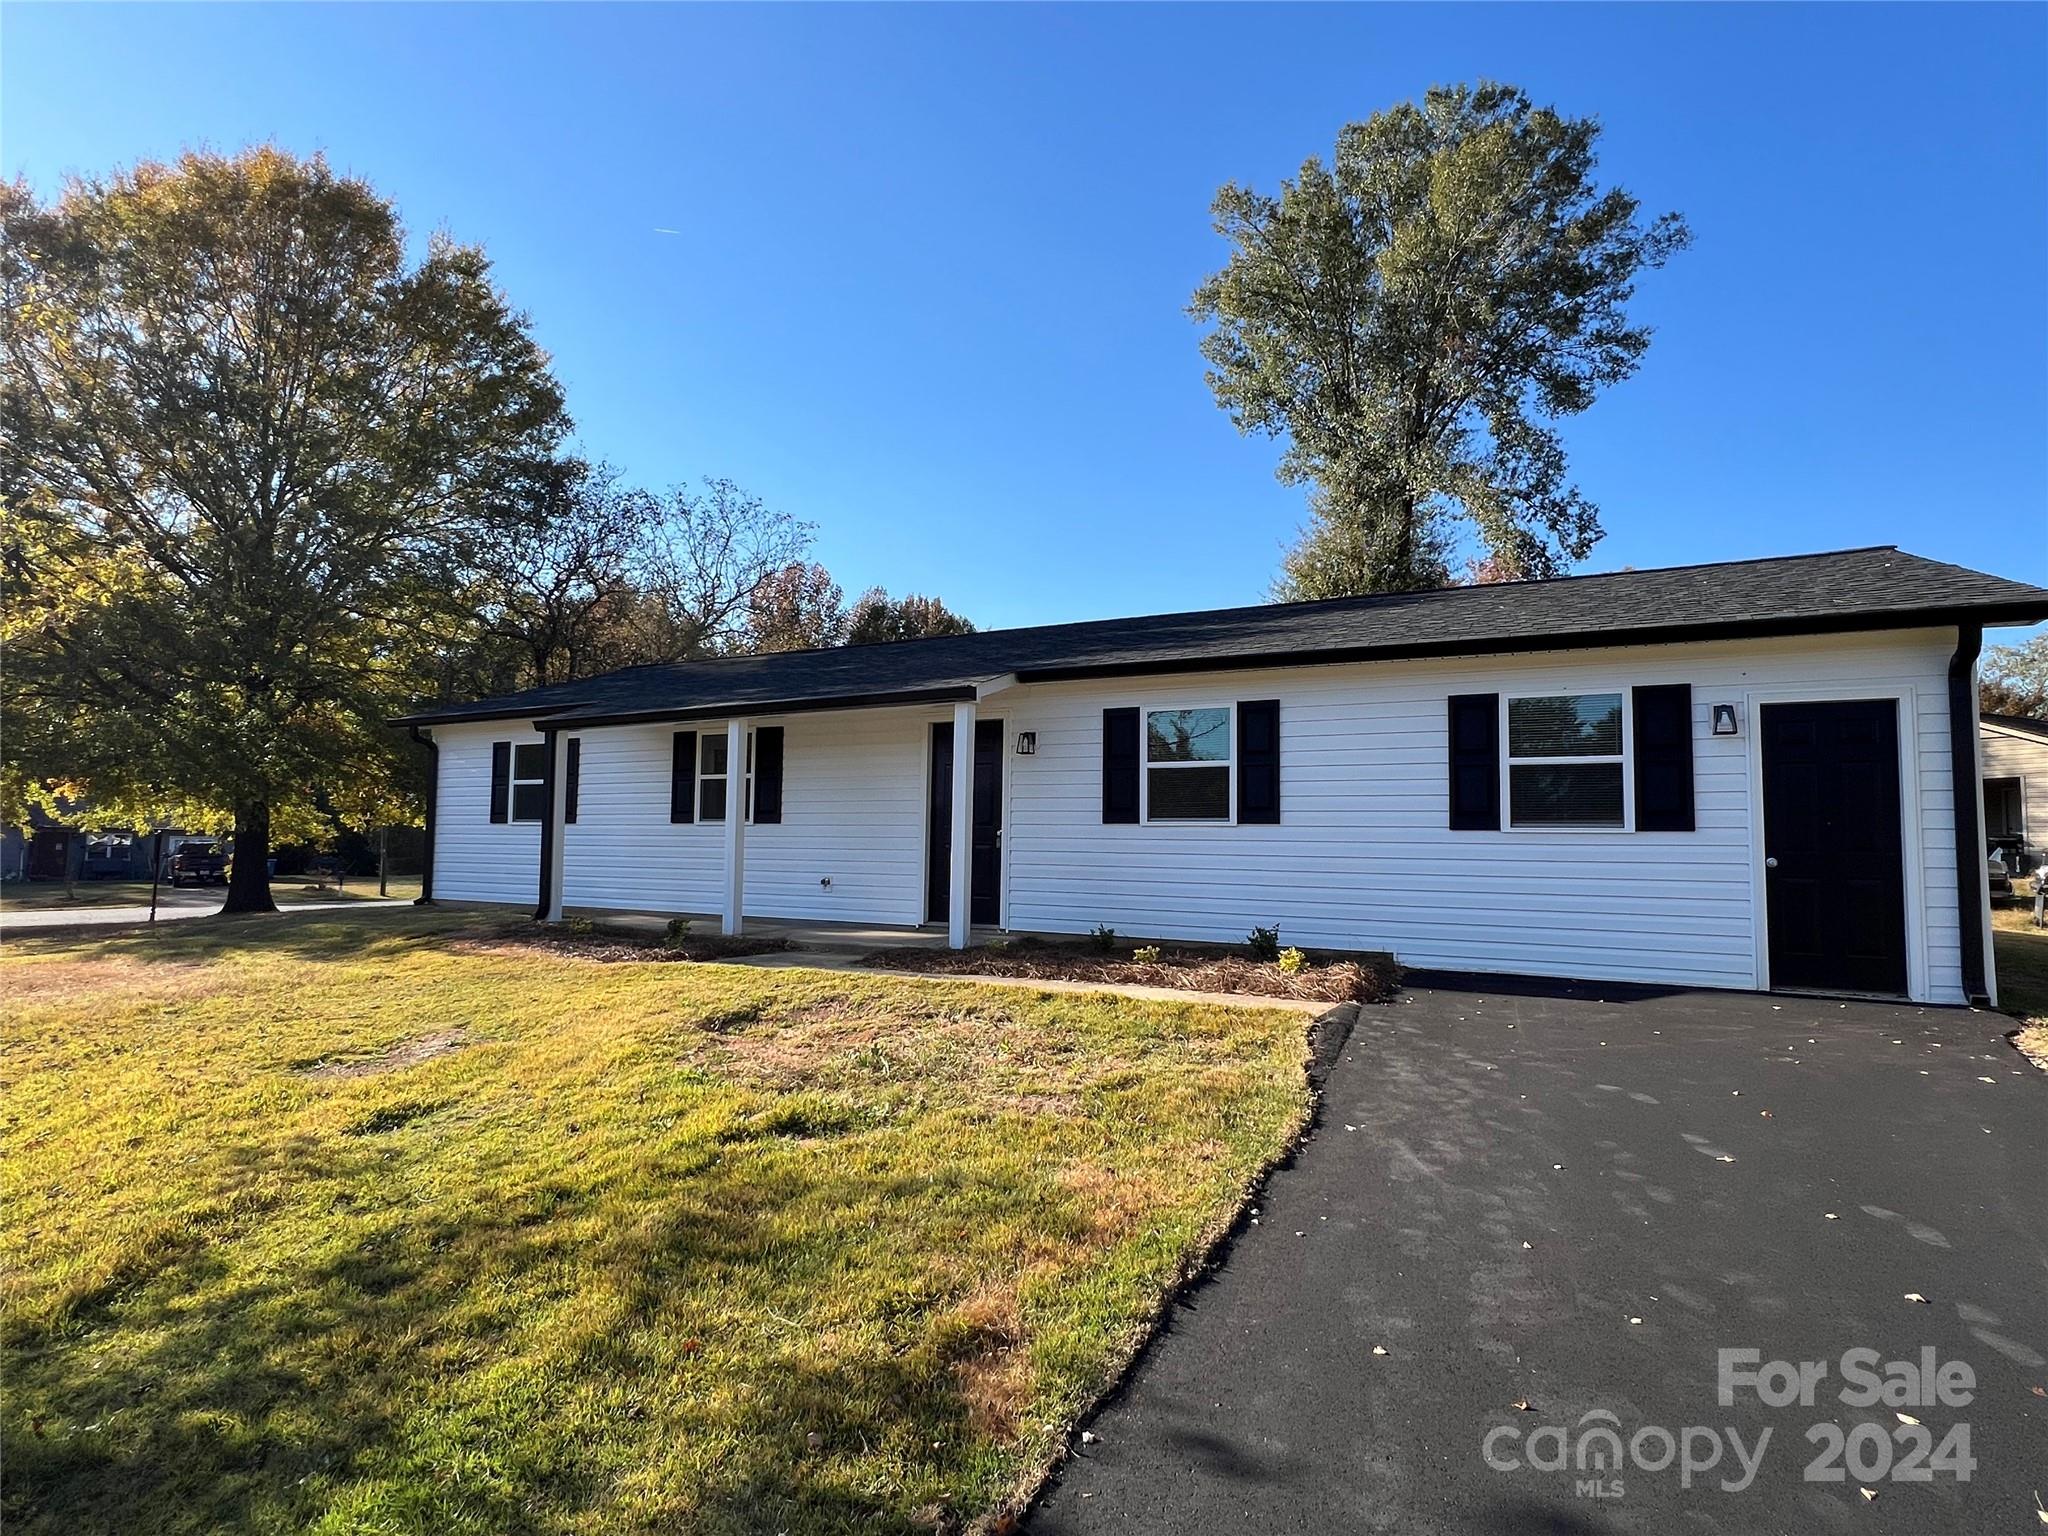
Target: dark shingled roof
[
  {"x": 1854, "y": 589},
  {"x": 2025, "y": 723}
]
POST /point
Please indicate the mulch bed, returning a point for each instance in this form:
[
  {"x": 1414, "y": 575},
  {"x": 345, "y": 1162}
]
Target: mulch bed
[
  {"x": 604, "y": 943},
  {"x": 1327, "y": 978}
]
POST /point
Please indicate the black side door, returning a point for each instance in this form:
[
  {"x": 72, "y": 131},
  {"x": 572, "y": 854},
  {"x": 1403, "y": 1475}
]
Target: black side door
[
  {"x": 984, "y": 893},
  {"x": 1834, "y": 863}
]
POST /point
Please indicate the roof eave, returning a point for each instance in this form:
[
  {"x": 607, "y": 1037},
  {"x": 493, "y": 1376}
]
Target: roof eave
[
  {"x": 1570, "y": 640},
  {"x": 747, "y": 709}
]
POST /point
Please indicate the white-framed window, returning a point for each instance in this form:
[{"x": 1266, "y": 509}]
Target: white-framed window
[
  {"x": 713, "y": 776},
  {"x": 1190, "y": 764},
  {"x": 529, "y": 781},
  {"x": 1567, "y": 759}
]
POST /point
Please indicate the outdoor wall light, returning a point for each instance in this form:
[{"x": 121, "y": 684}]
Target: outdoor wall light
[
  {"x": 1725, "y": 720},
  {"x": 1027, "y": 743}
]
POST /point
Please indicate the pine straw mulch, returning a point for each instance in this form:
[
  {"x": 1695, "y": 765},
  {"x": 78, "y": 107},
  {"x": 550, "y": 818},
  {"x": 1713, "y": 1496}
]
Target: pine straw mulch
[
  {"x": 1327, "y": 978},
  {"x": 603, "y": 942}
]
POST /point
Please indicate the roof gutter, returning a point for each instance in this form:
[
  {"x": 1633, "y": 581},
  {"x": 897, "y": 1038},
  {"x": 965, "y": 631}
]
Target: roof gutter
[
  {"x": 747, "y": 708},
  {"x": 1578, "y": 640},
  {"x": 426, "y": 897},
  {"x": 1972, "y": 893}
]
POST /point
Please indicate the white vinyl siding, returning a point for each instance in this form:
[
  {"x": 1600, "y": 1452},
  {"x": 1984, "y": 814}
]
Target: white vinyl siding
[
  {"x": 1362, "y": 858},
  {"x": 475, "y": 858}
]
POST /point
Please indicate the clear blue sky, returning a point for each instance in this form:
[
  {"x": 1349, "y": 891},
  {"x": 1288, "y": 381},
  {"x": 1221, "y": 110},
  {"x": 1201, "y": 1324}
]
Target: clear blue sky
[{"x": 930, "y": 279}]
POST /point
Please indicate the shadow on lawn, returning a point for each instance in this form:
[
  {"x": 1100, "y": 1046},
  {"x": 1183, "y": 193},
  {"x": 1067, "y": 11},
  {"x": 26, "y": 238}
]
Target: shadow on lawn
[
  {"x": 504, "y": 1370},
  {"x": 315, "y": 935}
]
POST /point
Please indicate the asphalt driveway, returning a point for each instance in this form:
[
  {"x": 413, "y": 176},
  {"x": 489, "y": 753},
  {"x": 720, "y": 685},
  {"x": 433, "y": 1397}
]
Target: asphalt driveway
[{"x": 1573, "y": 1198}]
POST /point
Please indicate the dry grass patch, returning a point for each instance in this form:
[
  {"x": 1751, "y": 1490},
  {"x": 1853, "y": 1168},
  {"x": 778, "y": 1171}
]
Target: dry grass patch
[
  {"x": 1325, "y": 978},
  {"x": 2021, "y": 952},
  {"x": 658, "y": 1247}
]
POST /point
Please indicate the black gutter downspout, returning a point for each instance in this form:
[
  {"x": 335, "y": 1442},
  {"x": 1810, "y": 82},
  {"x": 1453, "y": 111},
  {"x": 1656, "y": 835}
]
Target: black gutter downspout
[
  {"x": 1969, "y": 802},
  {"x": 426, "y": 897},
  {"x": 547, "y": 824}
]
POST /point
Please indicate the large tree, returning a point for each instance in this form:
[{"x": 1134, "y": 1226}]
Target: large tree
[
  {"x": 252, "y": 454},
  {"x": 798, "y": 608},
  {"x": 877, "y": 617},
  {"x": 2015, "y": 679},
  {"x": 1408, "y": 316}
]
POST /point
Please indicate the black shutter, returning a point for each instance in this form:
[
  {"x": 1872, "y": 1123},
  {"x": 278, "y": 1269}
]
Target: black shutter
[
  {"x": 1258, "y": 762},
  {"x": 1663, "y": 751},
  {"x": 501, "y": 781},
  {"x": 1475, "y": 762},
  {"x": 682, "y": 777},
  {"x": 1119, "y": 765},
  {"x": 574, "y": 774},
  {"x": 767, "y": 774}
]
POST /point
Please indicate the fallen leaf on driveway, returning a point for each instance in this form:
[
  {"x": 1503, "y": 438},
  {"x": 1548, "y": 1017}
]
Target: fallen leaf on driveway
[
  {"x": 1831, "y": 1216},
  {"x": 1532, "y": 1245},
  {"x": 1907, "y": 1418},
  {"x": 1869, "y": 1494},
  {"x": 1521, "y": 1405},
  {"x": 1987, "y": 1079},
  {"x": 1765, "y": 1113},
  {"x": 1379, "y": 1349},
  {"x": 1916, "y": 1296}
]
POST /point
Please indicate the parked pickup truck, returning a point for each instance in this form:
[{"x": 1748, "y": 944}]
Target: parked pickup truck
[{"x": 198, "y": 864}]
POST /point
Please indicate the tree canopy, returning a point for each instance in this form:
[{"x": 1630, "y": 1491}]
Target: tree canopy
[
  {"x": 253, "y": 455},
  {"x": 877, "y": 617},
  {"x": 1408, "y": 315},
  {"x": 2015, "y": 679}
]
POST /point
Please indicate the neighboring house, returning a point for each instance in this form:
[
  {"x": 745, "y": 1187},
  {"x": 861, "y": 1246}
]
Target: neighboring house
[
  {"x": 2015, "y": 752},
  {"x": 51, "y": 849},
  {"x": 1735, "y": 775}
]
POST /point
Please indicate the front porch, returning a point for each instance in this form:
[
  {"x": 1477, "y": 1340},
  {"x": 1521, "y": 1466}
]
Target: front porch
[
  {"x": 805, "y": 934},
  {"x": 863, "y": 811}
]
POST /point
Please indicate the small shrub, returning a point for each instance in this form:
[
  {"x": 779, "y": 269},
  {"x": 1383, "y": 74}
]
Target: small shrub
[
  {"x": 582, "y": 927},
  {"x": 1264, "y": 943},
  {"x": 1146, "y": 954},
  {"x": 1292, "y": 960},
  {"x": 677, "y": 933},
  {"x": 1103, "y": 938}
]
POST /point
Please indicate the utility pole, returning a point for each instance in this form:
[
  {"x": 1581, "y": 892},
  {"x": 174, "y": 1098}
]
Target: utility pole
[
  {"x": 383, "y": 860},
  {"x": 156, "y": 868}
]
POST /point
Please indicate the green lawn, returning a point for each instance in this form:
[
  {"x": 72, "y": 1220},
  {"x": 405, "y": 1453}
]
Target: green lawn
[
  {"x": 365, "y": 1222},
  {"x": 2021, "y": 953}
]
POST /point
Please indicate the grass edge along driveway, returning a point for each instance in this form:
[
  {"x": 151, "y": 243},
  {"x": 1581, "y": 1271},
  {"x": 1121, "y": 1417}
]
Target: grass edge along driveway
[{"x": 347, "y": 1222}]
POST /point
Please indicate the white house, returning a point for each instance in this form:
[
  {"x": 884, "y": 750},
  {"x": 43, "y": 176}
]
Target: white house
[
  {"x": 1736, "y": 775},
  {"x": 2015, "y": 755}
]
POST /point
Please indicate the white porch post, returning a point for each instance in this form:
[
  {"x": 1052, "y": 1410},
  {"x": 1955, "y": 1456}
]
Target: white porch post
[
  {"x": 735, "y": 825},
  {"x": 961, "y": 886},
  {"x": 554, "y": 852}
]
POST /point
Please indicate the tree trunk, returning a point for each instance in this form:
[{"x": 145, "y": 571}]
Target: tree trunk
[{"x": 249, "y": 876}]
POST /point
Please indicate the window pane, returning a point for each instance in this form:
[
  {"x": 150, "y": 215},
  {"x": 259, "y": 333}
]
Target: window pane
[
  {"x": 714, "y": 753},
  {"x": 529, "y": 762},
  {"x": 529, "y": 802},
  {"x": 1188, "y": 794},
  {"x": 1578, "y": 794},
  {"x": 711, "y": 800},
  {"x": 1187, "y": 736},
  {"x": 1565, "y": 725}
]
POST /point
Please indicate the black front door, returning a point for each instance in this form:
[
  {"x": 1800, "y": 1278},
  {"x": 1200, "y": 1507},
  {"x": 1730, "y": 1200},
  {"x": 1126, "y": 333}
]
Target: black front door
[
  {"x": 1834, "y": 869},
  {"x": 984, "y": 892}
]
